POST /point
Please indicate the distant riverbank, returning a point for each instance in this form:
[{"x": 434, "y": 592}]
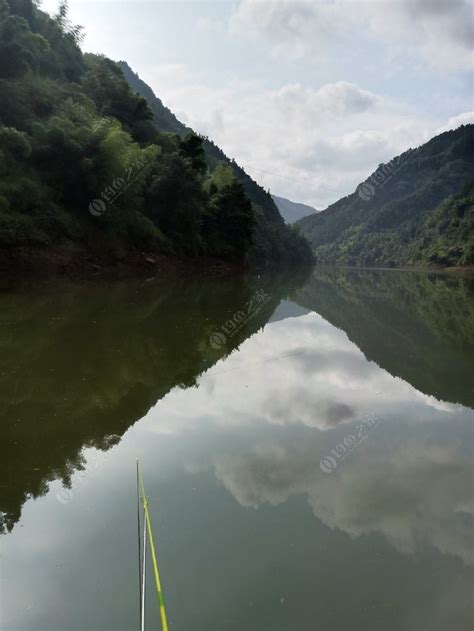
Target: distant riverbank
[{"x": 467, "y": 269}]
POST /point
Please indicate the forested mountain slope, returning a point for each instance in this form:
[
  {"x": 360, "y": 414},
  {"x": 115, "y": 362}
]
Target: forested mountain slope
[
  {"x": 417, "y": 209},
  {"x": 272, "y": 240},
  {"x": 85, "y": 172},
  {"x": 164, "y": 118}
]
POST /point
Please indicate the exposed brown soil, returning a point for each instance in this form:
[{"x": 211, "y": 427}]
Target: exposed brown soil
[{"x": 72, "y": 261}]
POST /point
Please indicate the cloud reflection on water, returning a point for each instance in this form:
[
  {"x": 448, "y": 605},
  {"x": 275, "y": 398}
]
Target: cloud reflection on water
[{"x": 410, "y": 481}]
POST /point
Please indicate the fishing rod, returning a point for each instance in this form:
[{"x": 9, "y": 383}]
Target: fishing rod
[
  {"x": 139, "y": 551},
  {"x": 143, "y": 585},
  {"x": 148, "y": 530}
]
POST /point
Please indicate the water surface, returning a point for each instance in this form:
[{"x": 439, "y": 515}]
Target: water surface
[{"x": 306, "y": 446}]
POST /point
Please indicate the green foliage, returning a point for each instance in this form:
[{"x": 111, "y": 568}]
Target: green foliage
[
  {"x": 191, "y": 149},
  {"x": 14, "y": 146},
  {"x": 18, "y": 230},
  {"x": 104, "y": 84},
  {"x": 174, "y": 199},
  {"x": 273, "y": 243},
  {"x": 221, "y": 177},
  {"x": 405, "y": 213},
  {"x": 447, "y": 235},
  {"x": 72, "y": 134},
  {"x": 229, "y": 221}
]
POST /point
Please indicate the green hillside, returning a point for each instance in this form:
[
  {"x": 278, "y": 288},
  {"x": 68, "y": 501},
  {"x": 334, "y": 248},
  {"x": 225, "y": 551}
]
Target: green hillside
[
  {"x": 272, "y": 239},
  {"x": 164, "y": 118},
  {"x": 86, "y": 173},
  {"x": 416, "y": 210}
]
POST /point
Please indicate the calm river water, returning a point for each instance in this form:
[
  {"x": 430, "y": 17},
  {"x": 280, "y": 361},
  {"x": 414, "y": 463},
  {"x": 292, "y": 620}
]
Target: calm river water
[{"x": 306, "y": 444}]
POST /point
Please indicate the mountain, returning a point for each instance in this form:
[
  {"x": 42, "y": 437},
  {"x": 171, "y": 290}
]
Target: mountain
[
  {"x": 88, "y": 178},
  {"x": 417, "y": 209},
  {"x": 292, "y": 211},
  {"x": 272, "y": 240},
  {"x": 164, "y": 118}
]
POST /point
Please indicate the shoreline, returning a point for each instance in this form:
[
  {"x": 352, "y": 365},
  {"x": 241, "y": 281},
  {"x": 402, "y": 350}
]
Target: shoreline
[
  {"x": 80, "y": 264},
  {"x": 468, "y": 269}
]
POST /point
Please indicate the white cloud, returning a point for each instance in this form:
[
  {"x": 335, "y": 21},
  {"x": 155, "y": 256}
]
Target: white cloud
[
  {"x": 207, "y": 24},
  {"x": 442, "y": 33},
  {"x": 465, "y": 118},
  {"x": 333, "y": 99},
  {"x": 312, "y": 145},
  {"x": 313, "y": 137},
  {"x": 439, "y": 33},
  {"x": 295, "y": 28},
  {"x": 171, "y": 72}
]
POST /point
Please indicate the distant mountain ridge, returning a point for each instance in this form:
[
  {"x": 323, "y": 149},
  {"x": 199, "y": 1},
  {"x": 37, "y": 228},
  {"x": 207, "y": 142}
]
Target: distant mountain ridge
[
  {"x": 416, "y": 209},
  {"x": 292, "y": 211}
]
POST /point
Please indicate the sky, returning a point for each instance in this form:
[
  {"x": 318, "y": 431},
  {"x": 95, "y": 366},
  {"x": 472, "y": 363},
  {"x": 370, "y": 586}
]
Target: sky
[{"x": 309, "y": 97}]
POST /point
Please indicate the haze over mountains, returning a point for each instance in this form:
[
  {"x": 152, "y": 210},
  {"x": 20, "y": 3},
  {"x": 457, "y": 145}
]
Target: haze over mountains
[{"x": 292, "y": 211}]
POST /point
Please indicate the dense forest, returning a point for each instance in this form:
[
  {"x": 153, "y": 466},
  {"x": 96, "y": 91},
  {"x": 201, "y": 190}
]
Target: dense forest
[
  {"x": 86, "y": 168},
  {"x": 271, "y": 240},
  {"x": 416, "y": 210}
]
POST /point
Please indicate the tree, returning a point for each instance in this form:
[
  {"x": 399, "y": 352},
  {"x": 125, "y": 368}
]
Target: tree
[{"x": 191, "y": 148}]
